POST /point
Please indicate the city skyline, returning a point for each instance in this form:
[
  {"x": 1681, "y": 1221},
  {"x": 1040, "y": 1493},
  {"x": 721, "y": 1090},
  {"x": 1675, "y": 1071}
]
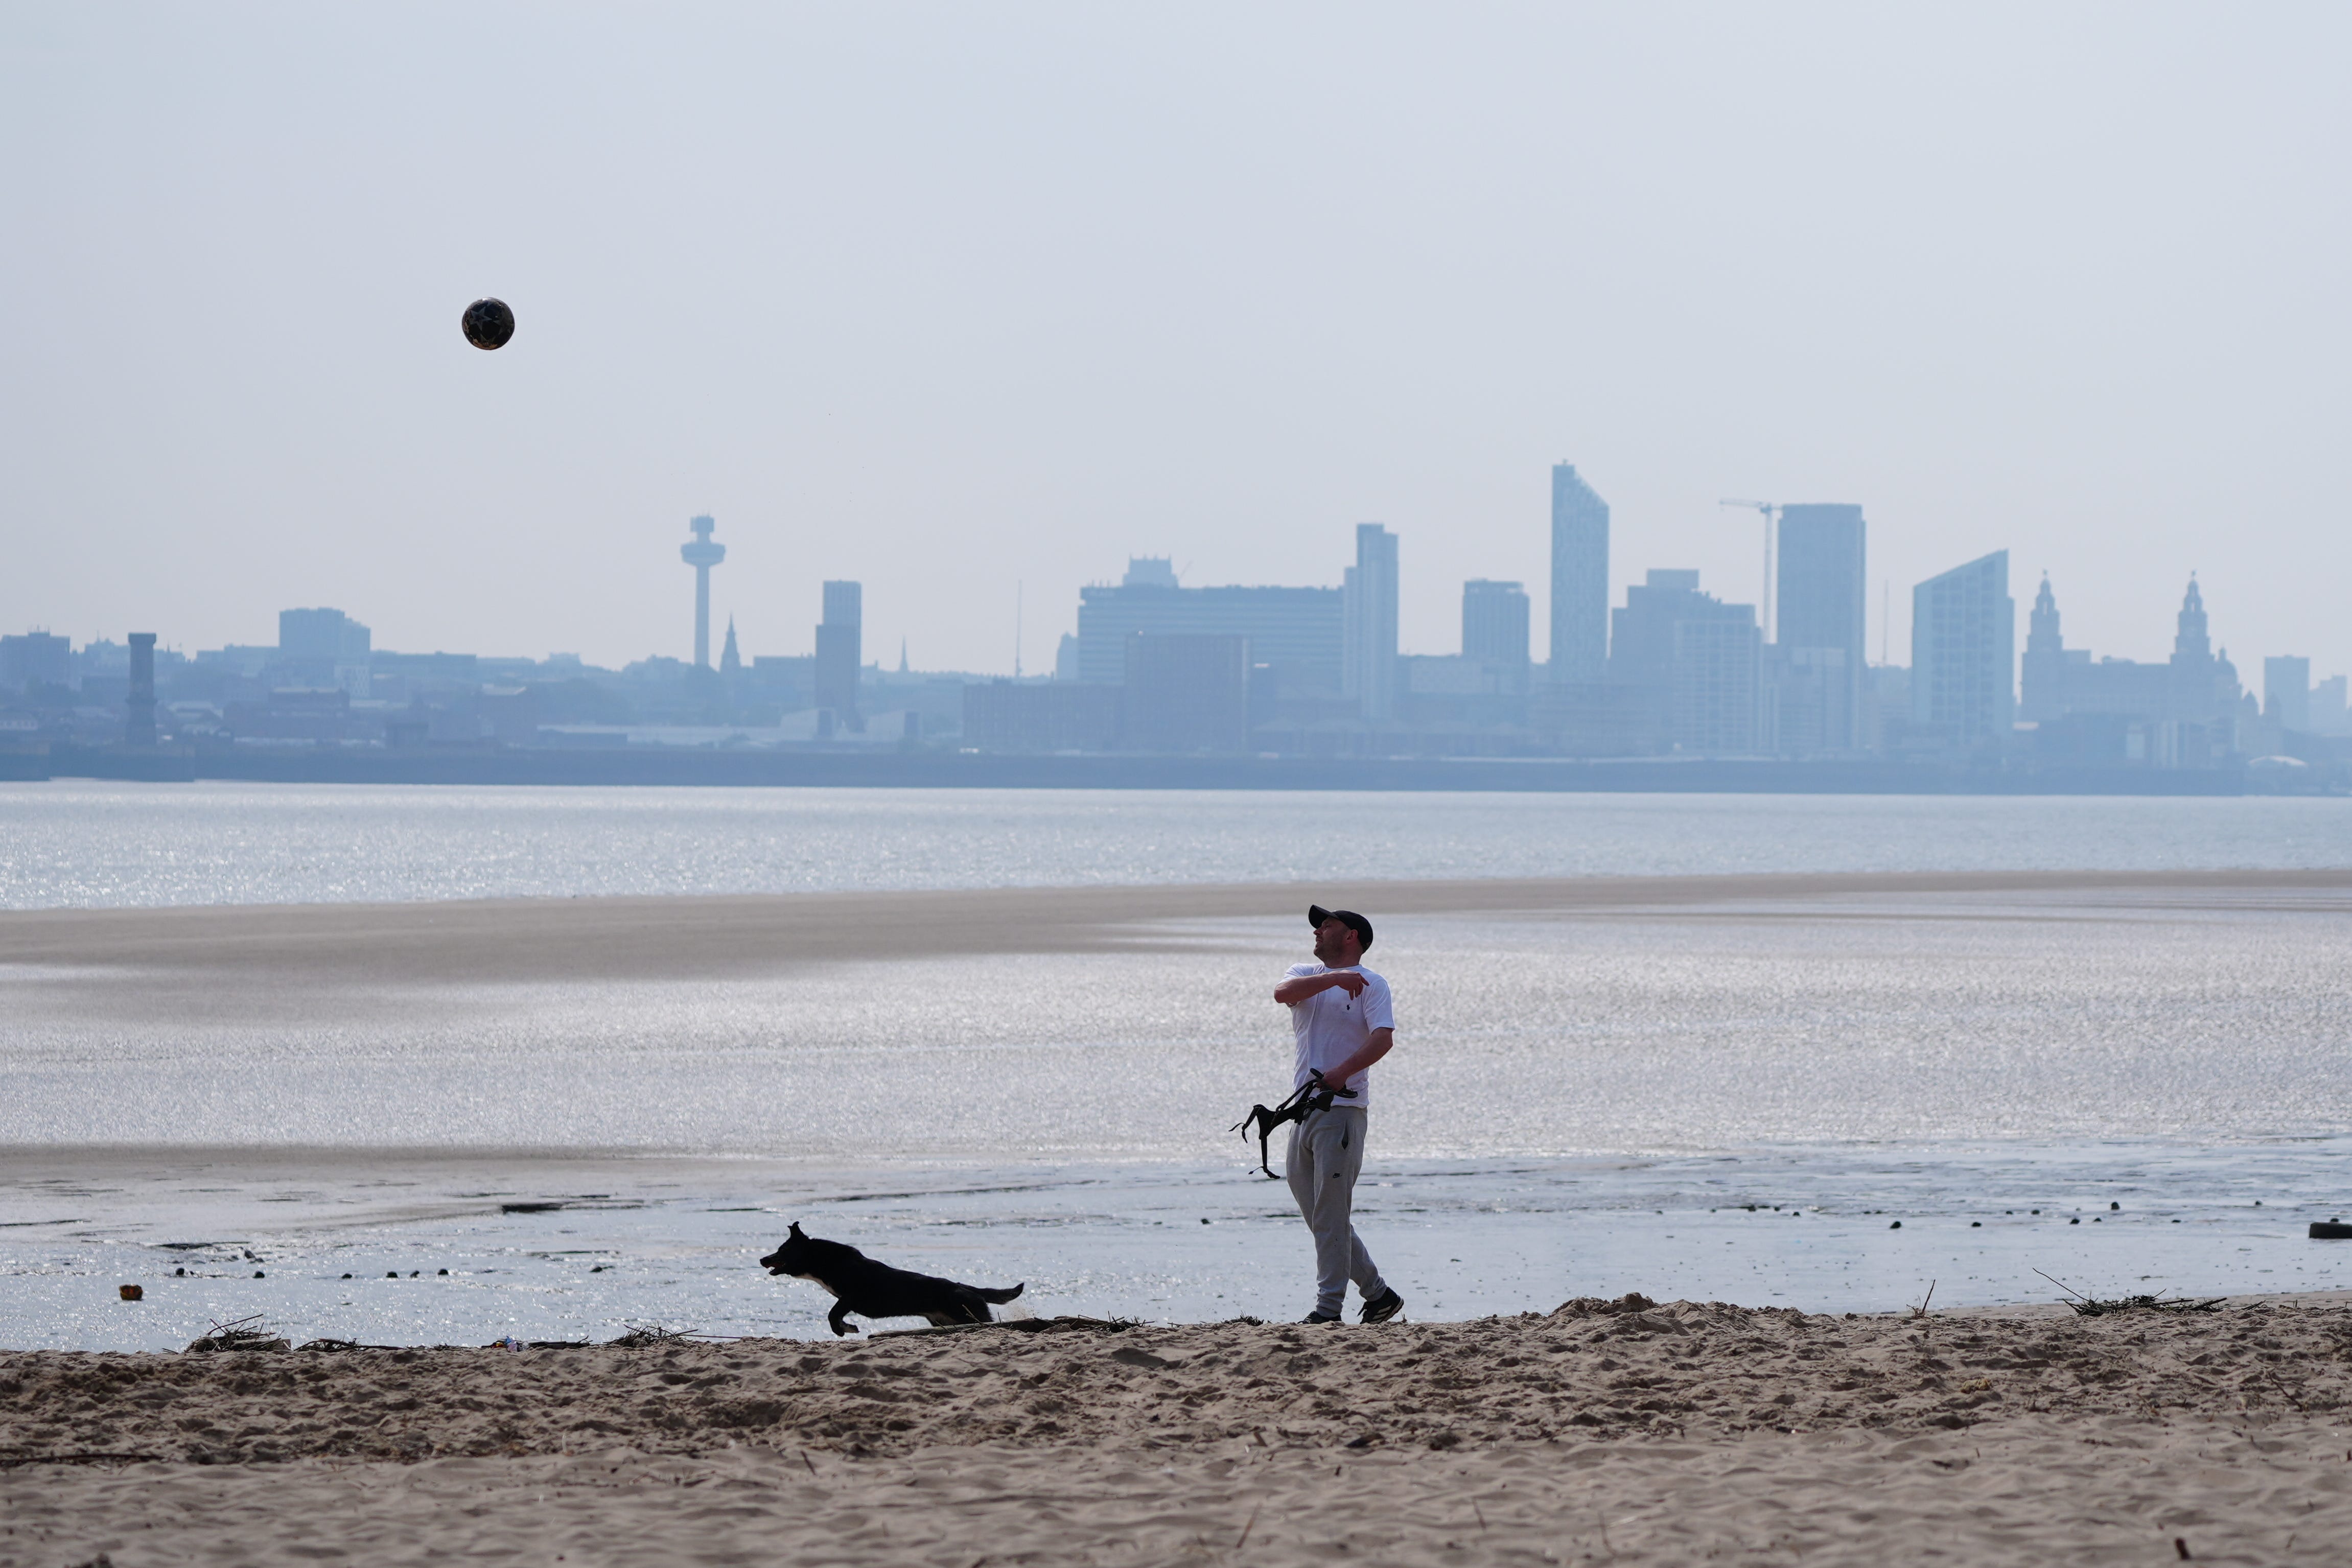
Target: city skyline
[
  {"x": 978, "y": 381},
  {"x": 1163, "y": 668},
  {"x": 1819, "y": 565},
  {"x": 1831, "y": 565}
]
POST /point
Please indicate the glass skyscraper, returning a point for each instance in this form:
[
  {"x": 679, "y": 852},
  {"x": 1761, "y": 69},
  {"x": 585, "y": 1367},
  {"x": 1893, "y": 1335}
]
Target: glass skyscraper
[
  {"x": 1824, "y": 596},
  {"x": 1964, "y": 653},
  {"x": 1580, "y": 580},
  {"x": 1370, "y": 600}
]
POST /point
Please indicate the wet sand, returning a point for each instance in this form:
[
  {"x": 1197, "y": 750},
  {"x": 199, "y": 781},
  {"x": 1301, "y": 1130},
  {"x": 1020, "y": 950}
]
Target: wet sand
[
  {"x": 523, "y": 940},
  {"x": 1662, "y": 1434},
  {"x": 1601, "y": 1432}
]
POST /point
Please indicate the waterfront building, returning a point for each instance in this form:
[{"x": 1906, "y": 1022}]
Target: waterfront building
[
  {"x": 1695, "y": 660},
  {"x": 1717, "y": 660},
  {"x": 1369, "y": 615},
  {"x": 1580, "y": 580},
  {"x": 2042, "y": 674},
  {"x": 1186, "y": 694},
  {"x": 2329, "y": 714},
  {"x": 1599, "y": 718},
  {"x": 138, "y": 717},
  {"x": 1964, "y": 653},
  {"x": 323, "y": 648},
  {"x": 1297, "y": 633},
  {"x": 1811, "y": 705},
  {"x": 2286, "y": 692},
  {"x": 840, "y": 652},
  {"x": 1455, "y": 692},
  {"x": 1495, "y": 632},
  {"x": 2186, "y": 712},
  {"x": 2056, "y": 681},
  {"x": 36, "y": 658},
  {"x": 786, "y": 681},
  {"x": 1822, "y": 586},
  {"x": 1040, "y": 716}
]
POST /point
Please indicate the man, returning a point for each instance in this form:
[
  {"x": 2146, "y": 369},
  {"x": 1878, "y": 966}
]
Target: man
[{"x": 1340, "y": 1020}]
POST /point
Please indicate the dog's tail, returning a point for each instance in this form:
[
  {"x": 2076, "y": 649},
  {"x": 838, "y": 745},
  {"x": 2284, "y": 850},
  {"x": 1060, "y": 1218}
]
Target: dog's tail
[{"x": 998, "y": 1296}]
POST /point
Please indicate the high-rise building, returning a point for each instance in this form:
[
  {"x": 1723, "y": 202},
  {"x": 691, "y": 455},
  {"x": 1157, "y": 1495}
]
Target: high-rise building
[
  {"x": 2286, "y": 691},
  {"x": 139, "y": 720},
  {"x": 840, "y": 653},
  {"x": 1695, "y": 660},
  {"x": 36, "y": 658},
  {"x": 1579, "y": 579},
  {"x": 1369, "y": 597},
  {"x": 2328, "y": 710},
  {"x": 702, "y": 555},
  {"x": 1298, "y": 634},
  {"x": 1822, "y": 635},
  {"x": 1641, "y": 640},
  {"x": 1964, "y": 653},
  {"x": 327, "y": 634},
  {"x": 1718, "y": 658},
  {"x": 323, "y": 648},
  {"x": 1495, "y": 630},
  {"x": 1813, "y": 706}
]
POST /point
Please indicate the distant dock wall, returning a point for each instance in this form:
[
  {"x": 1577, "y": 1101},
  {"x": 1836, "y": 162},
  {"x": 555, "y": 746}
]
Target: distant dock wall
[{"x": 965, "y": 770}]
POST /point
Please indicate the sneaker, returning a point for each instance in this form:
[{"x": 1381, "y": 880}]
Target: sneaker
[
  {"x": 1324, "y": 1317},
  {"x": 1382, "y": 1307}
]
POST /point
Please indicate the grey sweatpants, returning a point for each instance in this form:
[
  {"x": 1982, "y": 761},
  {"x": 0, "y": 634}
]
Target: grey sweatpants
[{"x": 1326, "y": 1150}]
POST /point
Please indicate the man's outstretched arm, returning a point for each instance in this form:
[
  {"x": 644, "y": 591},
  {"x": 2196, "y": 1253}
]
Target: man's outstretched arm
[
  {"x": 1371, "y": 1050},
  {"x": 1298, "y": 987}
]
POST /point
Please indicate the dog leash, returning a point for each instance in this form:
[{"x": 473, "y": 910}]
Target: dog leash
[{"x": 1312, "y": 1096}]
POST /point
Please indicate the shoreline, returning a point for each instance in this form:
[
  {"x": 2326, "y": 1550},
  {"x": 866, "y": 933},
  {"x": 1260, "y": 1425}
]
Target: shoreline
[{"x": 567, "y": 1246}]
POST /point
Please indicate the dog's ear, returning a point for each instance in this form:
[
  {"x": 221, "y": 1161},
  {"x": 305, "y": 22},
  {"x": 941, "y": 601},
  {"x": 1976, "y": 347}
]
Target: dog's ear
[{"x": 796, "y": 1231}]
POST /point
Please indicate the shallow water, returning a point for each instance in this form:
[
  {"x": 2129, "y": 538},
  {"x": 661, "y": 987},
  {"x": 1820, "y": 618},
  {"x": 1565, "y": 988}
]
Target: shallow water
[
  {"x": 1581, "y": 1105},
  {"x": 675, "y": 1244},
  {"x": 79, "y": 842},
  {"x": 1875, "y": 1019}
]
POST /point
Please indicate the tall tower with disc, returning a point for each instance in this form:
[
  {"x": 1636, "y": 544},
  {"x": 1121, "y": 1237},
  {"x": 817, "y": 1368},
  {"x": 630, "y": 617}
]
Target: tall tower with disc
[{"x": 701, "y": 555}]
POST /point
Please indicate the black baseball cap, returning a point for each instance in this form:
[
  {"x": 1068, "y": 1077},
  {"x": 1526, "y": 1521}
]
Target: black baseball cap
[{"x": 1317, "y": 915}]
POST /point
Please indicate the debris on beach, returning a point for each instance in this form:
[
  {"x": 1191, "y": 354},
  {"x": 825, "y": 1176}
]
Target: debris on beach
[
  {"x": 241, "y": 1333},
  {"x": 647, "y": 1336},
  {"x": 2093, "y": 1306}
]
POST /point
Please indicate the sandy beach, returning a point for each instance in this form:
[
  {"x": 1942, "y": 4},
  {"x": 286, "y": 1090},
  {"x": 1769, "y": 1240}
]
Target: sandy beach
[{"x": 1600, "y": 1432}]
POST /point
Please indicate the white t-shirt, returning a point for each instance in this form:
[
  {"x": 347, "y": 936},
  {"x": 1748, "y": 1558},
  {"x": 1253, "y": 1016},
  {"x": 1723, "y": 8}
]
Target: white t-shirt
[{"x": 1331, "y": 1026}]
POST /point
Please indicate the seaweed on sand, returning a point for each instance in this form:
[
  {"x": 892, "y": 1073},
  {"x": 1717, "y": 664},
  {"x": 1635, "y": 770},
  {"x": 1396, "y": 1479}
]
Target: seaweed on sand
[
  {"x": 2096, "y": 1306},
  {"x": 239, "y": 1334}
]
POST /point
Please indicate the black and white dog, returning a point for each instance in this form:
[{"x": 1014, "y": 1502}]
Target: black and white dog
[{"x": 858, "y": 1284}]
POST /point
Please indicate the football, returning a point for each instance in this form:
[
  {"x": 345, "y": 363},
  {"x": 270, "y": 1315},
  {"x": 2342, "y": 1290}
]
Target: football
[{"x": 488, "y": 323}]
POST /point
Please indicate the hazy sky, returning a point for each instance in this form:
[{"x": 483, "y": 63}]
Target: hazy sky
[{"x": 950, "y": 297}]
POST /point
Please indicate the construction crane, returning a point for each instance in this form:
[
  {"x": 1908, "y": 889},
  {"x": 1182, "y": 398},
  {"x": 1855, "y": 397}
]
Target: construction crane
[{"x": 1771, "y": 512}]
